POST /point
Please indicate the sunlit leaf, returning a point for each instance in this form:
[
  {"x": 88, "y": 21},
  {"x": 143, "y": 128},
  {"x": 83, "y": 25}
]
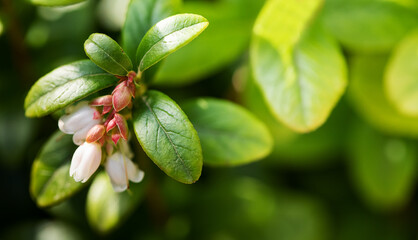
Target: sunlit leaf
[
  {"x": 64, "y": 86},
  {"x": 167, "y": 36},
  {"x": 107, "y": 54},
  {"x": 299, "y": 68},
  {"x": 50, "y": 178},
  {"x": 167, "y": 136},
  {"x": 368, "y": 98},
  {"x": 401, "y": 77},
  {"x": 229, "y": 134}
]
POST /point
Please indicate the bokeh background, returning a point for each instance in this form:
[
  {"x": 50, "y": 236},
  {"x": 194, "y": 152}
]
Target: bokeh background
[{"x": 353, "y": 178}]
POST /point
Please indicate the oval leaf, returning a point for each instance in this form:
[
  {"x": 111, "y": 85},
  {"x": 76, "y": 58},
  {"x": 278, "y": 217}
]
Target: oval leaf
[
  {"x": 51, "y": 3},
  {"x": 366, "y": 93},
  {"x": 167, "y": 136},
  {"x": 401, "y": 78},
  {"x": 107, "y": 209},
  {"x": 299, "y": 68},
  {"x": 107, "y": 54},
  {"x": 383, "y": 168},
  {"x": 50, "y": 179},
  {"x": 140, "y": 17},
  {"x": 64, "y": 86},
  {"x": 229, "y": 134},
  {"x": 167, "y": 36}
]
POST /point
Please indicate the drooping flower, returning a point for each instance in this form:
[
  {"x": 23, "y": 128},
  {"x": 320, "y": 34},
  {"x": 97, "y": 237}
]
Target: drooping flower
[
  {"x": 85, "y": 161},
  {"x": 121, "y": 169},
  {"x": 79, "y": 123}
]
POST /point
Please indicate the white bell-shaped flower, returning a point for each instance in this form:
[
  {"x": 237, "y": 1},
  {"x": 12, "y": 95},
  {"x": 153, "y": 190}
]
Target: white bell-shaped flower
[
  {"x": 79, "y": 123},
  {"x": 121, "y": 169},
  {"x": 86, "y": 160}
]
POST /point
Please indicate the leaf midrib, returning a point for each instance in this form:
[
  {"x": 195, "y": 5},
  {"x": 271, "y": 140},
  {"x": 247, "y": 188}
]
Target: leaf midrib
[
  {"x": 57, "y": 86},
  {"x": 168, "y": 137},
  {"x": 95, "y": 43}
]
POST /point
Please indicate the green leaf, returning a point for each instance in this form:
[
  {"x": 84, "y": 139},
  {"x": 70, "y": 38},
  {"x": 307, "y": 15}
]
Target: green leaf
[
  {"x": 107, "y": 54},
  {"x": 401, "y": 77},
  {"x": 50, "y": 179},
  {"x": 383, "y": 168},
  {"x": 51, "y": 3},
  {"x": 140, "y": 17},
  {"x": 167, "y": 136},
  {"x": 107, "y": 209},
  {"x": 293, "y": 149},
  {"x": 167, "y": 36},
  {"x": 65, "y": 85},
  {"x": 218, "y": 46},
  {"x": 229, "y": 134},
  {"x": 368, "y": 26},
  {"x": 299, "y": 68},
  {"x": 367, "y": 96}
]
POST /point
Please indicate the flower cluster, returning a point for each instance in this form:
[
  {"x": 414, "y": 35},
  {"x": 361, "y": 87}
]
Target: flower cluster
[{"x": 99, "y": 126}]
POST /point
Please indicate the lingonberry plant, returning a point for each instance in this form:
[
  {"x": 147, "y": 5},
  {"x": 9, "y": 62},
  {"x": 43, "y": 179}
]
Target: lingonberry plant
[{"x": 105, "y": 103}]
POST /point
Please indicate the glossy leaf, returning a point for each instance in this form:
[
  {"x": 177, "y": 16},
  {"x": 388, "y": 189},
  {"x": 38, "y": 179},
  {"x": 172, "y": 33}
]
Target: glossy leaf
[
  {"x": 65, "y": 85},
  {"x": 229, "y": 134},
  {"x": 401, "y": 78},
  {"x": 383, "y": 168},
  {"x": 50, "y": 178},
  {"x": 51, "y": 3},
  {"x": 366, "y": 93},
  {"x": 217, "y": 47},
  {"x": 140, "y": 17},
  {"x": 107, "y": 209},
  {"x": 299, "y": 68},
  {"x": 167, "y": 36},
  {"x": 368, "y": 26},
  {"x": 107, "y": 54},
  {"x": 167, "y": 136}
]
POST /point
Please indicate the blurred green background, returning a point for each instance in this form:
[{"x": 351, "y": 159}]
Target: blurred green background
[{"x": 352, "y": 178}]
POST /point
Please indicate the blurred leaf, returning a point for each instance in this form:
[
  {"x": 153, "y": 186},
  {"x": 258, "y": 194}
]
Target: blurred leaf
[
  {"x": 229, "y": 134},
  {"x": 299, "y": 68},
  {"x": 50, "y": 179},
  {"x": 293, "y": 149},
  {"x": 383, "y": 168},
  {"x": 52, "y": 3},
  {"x": 107, "y": 54},
  {"x": 106, "y": 209},
  {"x": 369, "y": 26},
  {"x": 45, "y": 230},
  {"x": 167, "y": 36},
  {"x": 219, "y": 45},
  {"x": 65, "y": 85},
  {"x": 140, "y": 17},
  {"x": 401, "y": 76},
  {"x": 367, "y": 96},
  {"x": 167, "y": 136}
]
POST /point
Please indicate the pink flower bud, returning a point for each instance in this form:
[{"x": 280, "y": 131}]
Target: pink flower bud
[
  {"x": 121, "y": 96},
  {"x": 122, "y": 125},
  {"x": 102, "y": 101},
  {"x": 115, "y": 138},
  {"x": 95, "y": 133},
  {"x": 85, "y": 161},
  {"x": 111, "y": 125}
]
